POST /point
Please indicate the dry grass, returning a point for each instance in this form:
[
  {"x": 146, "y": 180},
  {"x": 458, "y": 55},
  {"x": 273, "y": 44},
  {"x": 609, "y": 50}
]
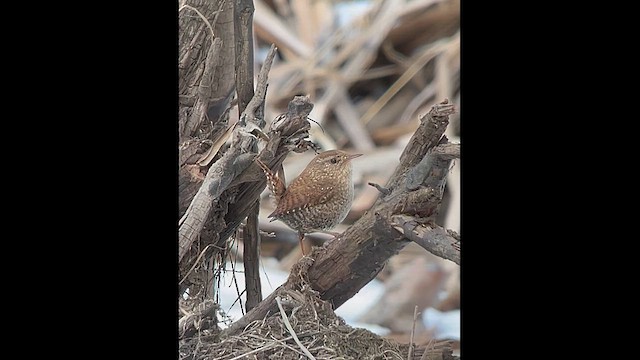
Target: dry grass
[{"x": 319, "y": 330}]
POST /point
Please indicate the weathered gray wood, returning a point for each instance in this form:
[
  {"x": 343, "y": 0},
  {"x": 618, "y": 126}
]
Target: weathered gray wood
[
  {"x": 244, "y": 51},
  {"x": 205, "y": 52},
  {"x": 225, "y": 170},
  {"x": 224, "y": 84},
  {"x": 205, "y": 63},
  {"x": 243, "y": 24},
  {"x": 251, "y": 258},
  {"x": 201, "y": 105},
  {"x": 432, "y": 238}
]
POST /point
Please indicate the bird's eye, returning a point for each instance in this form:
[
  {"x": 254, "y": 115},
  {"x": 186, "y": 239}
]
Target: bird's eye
[{"x": 334, "y": 160}]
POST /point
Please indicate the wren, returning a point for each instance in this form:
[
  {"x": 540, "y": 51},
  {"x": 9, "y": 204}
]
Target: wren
[{"x": 319, "y": 198}]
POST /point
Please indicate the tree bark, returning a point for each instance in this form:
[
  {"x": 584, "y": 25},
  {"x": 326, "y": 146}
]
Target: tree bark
[
  {"x": 200, "y": 22},
  {"x": 243, "y": 10},
  {"x": 340, "y": 268},
  {"x": 244, "y": 51},
  {"x": 205, "y": 75},
  {"x": 251, "y": 258}
]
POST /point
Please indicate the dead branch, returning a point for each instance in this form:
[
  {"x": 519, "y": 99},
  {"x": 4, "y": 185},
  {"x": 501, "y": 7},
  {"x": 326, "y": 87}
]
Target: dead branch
[
  {"x": 419, "y": 62},
  {"x": 204, "y": 89},
  {"x": 433, "y": 238},
  {"x": 251, "y": 258},
  {"x": 413, "y": 330},
  {"x": 225, "y": 170},
  {"x": 243, "y": 12},
  {"x": 205, "y": 68}
]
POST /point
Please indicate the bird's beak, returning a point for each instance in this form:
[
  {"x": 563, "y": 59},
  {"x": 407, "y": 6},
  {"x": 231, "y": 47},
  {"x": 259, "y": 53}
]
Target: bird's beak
[{"x": 349, "y": 157}]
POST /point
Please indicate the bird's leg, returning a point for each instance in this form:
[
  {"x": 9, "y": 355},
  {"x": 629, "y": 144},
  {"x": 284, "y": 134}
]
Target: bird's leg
[{"x": 301, "y": 239}]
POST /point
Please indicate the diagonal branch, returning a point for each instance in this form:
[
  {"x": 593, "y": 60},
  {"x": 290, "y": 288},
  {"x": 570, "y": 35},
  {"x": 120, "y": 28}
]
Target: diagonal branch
[{"x": 433, "y": 238}]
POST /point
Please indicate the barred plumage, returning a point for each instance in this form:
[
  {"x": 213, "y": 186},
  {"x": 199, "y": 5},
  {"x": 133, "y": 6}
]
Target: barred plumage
[{"x": 319, "y": 198}]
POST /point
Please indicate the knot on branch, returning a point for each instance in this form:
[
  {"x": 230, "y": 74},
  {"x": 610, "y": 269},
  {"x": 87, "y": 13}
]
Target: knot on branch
[
  {"x": 293, "y": 126},
  {"x": 442, "y": 109},
  {"x": 432, "y": 169},
  {"x": 423, "y": 203},
  {"x": 294, "y": 121}
]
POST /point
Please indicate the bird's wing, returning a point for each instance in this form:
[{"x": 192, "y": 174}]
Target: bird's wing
[{"x": 300, "y": 194}]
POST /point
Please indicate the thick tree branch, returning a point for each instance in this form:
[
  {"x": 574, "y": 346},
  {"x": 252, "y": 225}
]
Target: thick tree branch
[
  {"x": 243, "y": 12},
  {"x": 205, "y": 65},
  {"x": 204, "y": 92}
]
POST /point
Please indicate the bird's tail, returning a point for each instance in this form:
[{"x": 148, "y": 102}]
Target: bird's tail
[{"x": 275, "y": 184}]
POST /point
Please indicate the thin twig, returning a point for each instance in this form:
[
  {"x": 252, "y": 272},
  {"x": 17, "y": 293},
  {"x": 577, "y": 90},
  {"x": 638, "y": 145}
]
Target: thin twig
[
  {"x": 413, "y": 330},
  {"x": 380, "y": 188},
  {"x": 290, "y": 328},
  {"x": 235, "y": 282}
]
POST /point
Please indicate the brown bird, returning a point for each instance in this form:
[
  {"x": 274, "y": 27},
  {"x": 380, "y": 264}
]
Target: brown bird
[{"x": 319, "y": 198}]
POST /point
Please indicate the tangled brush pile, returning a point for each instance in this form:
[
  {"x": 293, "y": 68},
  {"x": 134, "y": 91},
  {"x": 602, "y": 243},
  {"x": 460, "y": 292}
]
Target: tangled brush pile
[{"x": 304, "y": 325}]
